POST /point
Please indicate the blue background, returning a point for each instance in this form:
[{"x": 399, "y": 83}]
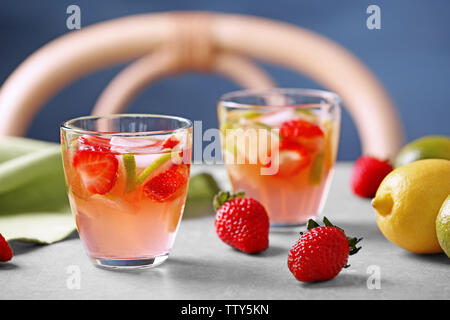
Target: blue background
[{"x": 410, "y": 55}]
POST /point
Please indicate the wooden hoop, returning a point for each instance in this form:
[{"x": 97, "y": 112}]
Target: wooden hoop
[
  {"x": 71, "y": 56},
  {"x": 120, "y": 92}
]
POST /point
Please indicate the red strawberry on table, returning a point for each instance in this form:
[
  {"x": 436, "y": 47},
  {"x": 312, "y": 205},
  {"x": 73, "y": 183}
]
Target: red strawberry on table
[
  {"x": 163, "y": 186},
  {"x": 97, "y": 169},
  {"x": 321, "y": 252},
  {"x": 241, "y": 222},
  {"x": 6, "y": 253},
  {"x": 367, "y": 174}
]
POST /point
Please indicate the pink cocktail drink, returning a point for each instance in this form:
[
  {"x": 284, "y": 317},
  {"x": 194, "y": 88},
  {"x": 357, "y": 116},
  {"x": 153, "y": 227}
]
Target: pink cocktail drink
[
  {"x": 127, "y": 190},
  {"x": 282, "y": 150}
]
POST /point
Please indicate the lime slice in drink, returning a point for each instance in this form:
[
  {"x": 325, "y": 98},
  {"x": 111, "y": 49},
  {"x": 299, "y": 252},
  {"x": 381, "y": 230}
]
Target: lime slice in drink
[
  {"x": 235, "y": 115},
  {"x": 315, "y": 175},
  {"x": 250, "y": 114},
  {"x": 226, "y": 126},
  {"x": 251, "y": 142},
  {"x": 153, "y": 166},
  {"x": 130, "y": 169},
  {"x": 307, "y": 114}
]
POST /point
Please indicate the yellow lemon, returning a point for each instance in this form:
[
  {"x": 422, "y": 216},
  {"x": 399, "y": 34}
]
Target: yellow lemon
[{"x": 408, "y": 201}]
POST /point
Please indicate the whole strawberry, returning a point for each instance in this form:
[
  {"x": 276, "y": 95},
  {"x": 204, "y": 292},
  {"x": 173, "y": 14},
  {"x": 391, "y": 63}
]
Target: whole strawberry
[
  {"x": 5, "y": 250},
  {"x": 367, "y": 174},
  {"x": 321, "y": 253},
  {"x": 241, "y": 222}
]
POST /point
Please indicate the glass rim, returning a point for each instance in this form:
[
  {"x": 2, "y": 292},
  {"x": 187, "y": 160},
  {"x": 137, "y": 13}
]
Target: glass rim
[
  {"x": 226, "y": 99},
  {"x": 66, "y": 125}
]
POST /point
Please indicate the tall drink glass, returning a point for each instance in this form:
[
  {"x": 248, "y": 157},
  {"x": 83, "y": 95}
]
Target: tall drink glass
[
  {"x": 127, "y": 178},
  {"x": 280, "y": 146}
]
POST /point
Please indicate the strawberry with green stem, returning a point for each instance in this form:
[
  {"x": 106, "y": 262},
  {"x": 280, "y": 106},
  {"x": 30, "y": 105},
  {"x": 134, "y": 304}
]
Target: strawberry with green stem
[
  {"x": 321, "y": 252},
  {"x": 241, "y": 222}
]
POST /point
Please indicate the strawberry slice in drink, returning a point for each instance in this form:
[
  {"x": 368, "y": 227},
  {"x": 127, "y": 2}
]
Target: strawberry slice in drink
[
  {"x": 97, "y": 169},
  {"x": 164, "y": 185},
  {"x": 300, "y": 128},
  {"x": 304, "y": 133},
  {"x": 171, "y": 142},
  {"x": 293, "y": 158}
]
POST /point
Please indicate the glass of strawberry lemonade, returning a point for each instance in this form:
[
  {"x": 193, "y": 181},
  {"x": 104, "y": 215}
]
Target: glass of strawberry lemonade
[
  {"x": 279, "y": 146},
  {"x": 127, "y": 179}
]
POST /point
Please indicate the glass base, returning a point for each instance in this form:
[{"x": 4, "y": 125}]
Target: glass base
[
  {"x": 287, "y": 225},
  {"x": 280, "y": 225},
  {"x": 127, "y": 264}
]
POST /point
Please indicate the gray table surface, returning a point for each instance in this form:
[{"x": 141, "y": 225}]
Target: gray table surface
[{"x": 202, "y": 267}]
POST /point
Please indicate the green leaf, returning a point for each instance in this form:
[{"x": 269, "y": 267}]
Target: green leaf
[
  {"x": 224, "y": 196},
  {"x": 13, "y": 147},
  {"x": 351, "y": 241},
  {"x": 327, "y": 222},
  {"x": 239, "y": 194},
  {"x": 33, "y": 200},
  {"x": 312, "y": 224},
  {"x": 40, "y": 227},
  {"x": 352, "y": 244}
]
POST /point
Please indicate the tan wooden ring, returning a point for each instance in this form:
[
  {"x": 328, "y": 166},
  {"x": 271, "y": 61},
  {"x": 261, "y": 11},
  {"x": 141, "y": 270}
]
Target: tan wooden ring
[
  {"x": 119, "y": 93},
  {"x": 95, "y": 47}
]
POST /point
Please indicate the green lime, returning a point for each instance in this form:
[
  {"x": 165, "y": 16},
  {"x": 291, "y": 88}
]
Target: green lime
[
  {"x": 130, "y": 169},
  {"x": 250, "y": 114},
  {"x": 315, "y": 175},
  {"x": 152, "y": 167},
  {"x": 429, "y": 147},
  {"x": 260, "y": 125},
  {"x": 443, "y": 226},
  {"x": 226, "y": 126},
  {"x": 307, "y": 114},
  {"x": 202, "y": 188}
]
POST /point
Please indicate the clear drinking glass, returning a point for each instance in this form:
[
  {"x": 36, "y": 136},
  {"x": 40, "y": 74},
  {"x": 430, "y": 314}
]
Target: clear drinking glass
[
  {"x": 280, "y": 146},
  {"x": 127, "y": 179}
]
